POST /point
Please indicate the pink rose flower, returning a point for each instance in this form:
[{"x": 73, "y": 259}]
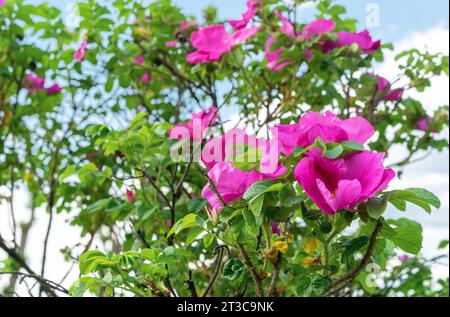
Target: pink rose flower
[
  {"x": 230, "y": 182},
  {"x": 275, "y": 228},
  {"x": 139, "y": 59},
  {"x": 317, "y": 28},
  {"x": 329, "y": 127},
  {"x": 34, "y": 82},
  {"x": 246, "y": 17},
  {"x": 342, "y": 183},
  {"x": 131, "y": 197},
  {"x": 187, "y": 24},
  {"x": 55, "y": 88},
  {"x": 274, "y": 62},
  {"x": 196, "y": 127},
  {"x": 404, "y": 258},
  {"x": 213, "y": 41},
  {"x": 234, "y": 143},
  {"x": 385, "y": 88},
  {"x": 363, "y": 39},
  {"x": 424, "y": 124},
  {"x": 145, "y": 78},
  {"x": 286, "y": 26},
  {"x": 80, "y": 53},
  {"x": 171, "y": 43}
]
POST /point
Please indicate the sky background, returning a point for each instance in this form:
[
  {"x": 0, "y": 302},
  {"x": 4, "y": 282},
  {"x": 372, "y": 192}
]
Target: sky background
[{"x": 406, "y": 24}]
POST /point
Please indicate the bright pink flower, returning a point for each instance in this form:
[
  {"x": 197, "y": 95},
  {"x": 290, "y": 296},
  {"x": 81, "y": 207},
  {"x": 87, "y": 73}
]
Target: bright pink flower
[
  {"x": 342, "y": 183},
  {"x": 80, "y": 53},
  {"x": 196, "y": 127},
  {"x": 187, "y": 24},
  {"x": 385, "y": 88},
  {"x": 274, "y": 62},
  {"x": 145, "y": 78},
  {"x": 246, "y": 17},
  {"x": 2, "y": 3},
  {"x": 275, "y": 228},
  {"x": 171, "y": 43},
  {"x": 139, "y": 59},
  {"x": 363, "y": 39},
  {"x": 33, "y": 82},
  {"x": 404, "y": 258},
  {"x": 233, "y": 145},
  {"x": 230, "y": 182},
  {"x": 316, "y": 28},
  {"x": 130, "y": 195},
  {"x": 55, "y": 88},
  {"x": 424, "y": 124},
  {"x": 213, "y": 41},
  {"x": 287, "y": 27},
  {"x": 308, "y": 54},
  {"x": 329, "y": 127}
]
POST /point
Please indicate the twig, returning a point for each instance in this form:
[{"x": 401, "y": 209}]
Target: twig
[
  {"x": 191, "y": 285},
  {"x": 248, "y": 262},
  {"x": 219, "y": 250},
  {"x": 364, "y": 261}
]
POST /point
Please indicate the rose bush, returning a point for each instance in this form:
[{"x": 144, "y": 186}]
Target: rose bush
[{"x": 122, "y": 122}]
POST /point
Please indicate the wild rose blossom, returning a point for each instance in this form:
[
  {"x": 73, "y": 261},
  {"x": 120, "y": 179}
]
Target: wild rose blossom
[
  {"x": 213, "y": 41},
  {"x": 274, "y": 62},
  {"x": 246, "y": 17},
  {"x": 80, "y": 53},
  {"x": 230, "y": 182},
  {"x": 145, "y": 78},
  {"x": 363, "y": 39},
  {"x": 286, "y": 26},
  {"x": 196, "y": 127},
  {"x": 317, "y": 28},
  {"x": 131, "y": 197},
  {"x": 275, "y": 228},
  {"x": 171, "y": 43},
  {"x": 139, "y": 59},
  {"x": 232, "y": 146},
  {"x": 424, "y": 124},
  {"x": 343, "y": 183},
  {"x": 187, "y": 24},
  {"x": 329, "y": 127},
  {"x": 54, "y": 89},
  {"x": 34, "y": 82},
  {"x": 389, "y": 94}
]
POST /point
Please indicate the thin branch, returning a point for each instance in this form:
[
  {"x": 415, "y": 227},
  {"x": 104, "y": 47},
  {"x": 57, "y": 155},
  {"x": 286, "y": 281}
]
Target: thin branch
[{"x": 248, "y": 262}]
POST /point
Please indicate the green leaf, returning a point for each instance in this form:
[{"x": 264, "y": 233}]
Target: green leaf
[
  {"x": 249, "y": 218},
  {"x": 376, "y": 206},
  {"x": 352, "y": 146},
  {"x": 408, "y": 235},
  {"x": 257, "y": 189},
  {"x": 232, "y": 269},
  {"x": 256, "y": 205},
  {"x": 355, "y": 244},
  {"x": 208, "y": 240},
  {"x": 193, "y": 234},
  {"x": 334, "y": 152},
  {"x": 418, "y": 196}
]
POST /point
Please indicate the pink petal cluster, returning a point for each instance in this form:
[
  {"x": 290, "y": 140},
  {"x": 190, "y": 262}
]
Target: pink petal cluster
[
  {"x": 196, "y": 127},
  {"x": 246, "y": 17},
  {"x": 424, "y": 124},
  {"x": 342, "y": 183},
  {"x": 362, "y": 39},
  {"x": 187, "y": 24},
  {"x": 274, "y": 62},
  {"x": 2, "y": 3},
  {"x": 80, "y": 53},
  {"x": 230, "y": 182},
  {"x": 34, "y": 82},
  {"x": 235, "y": 143},
  {"x": 130, "y": 196},
  {"x": 317, "y": 28},
  {"x": 171, "y": 43},
  {"x": 276, "y": 228},
  {"x": 213, "y": 41},
  {"x": 385, "y": 88},
  {"x": 54, "y": 89},
  {"x": 286, "y": 26},
  {"x": 145, "y": 78},
  {"x": 329, "y": 127},
  {"x": 139, "y": 59}
]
